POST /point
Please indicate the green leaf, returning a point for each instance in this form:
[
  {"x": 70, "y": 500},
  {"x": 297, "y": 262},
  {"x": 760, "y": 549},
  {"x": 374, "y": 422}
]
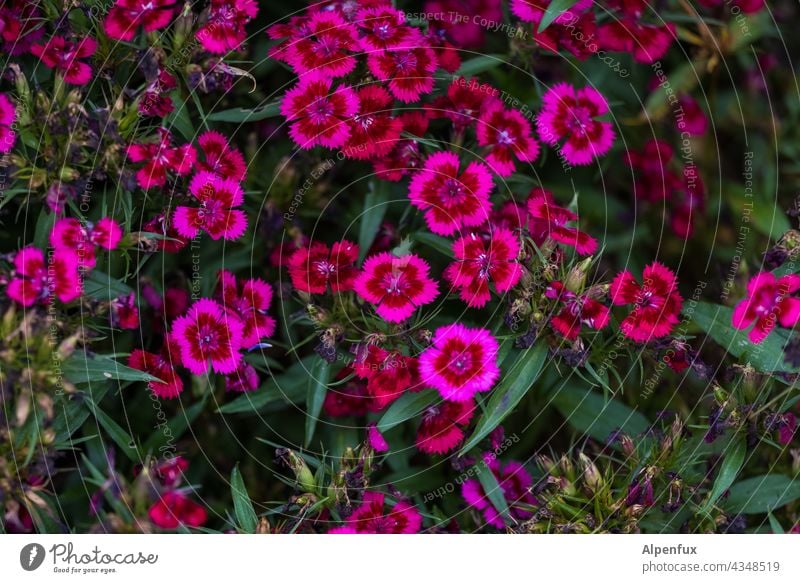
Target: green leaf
[
  {"x": 176, "y": 426},
  {"x": 180, "y": 119},
  {"x": 289, "y": 387},
  {"x": 480, "y": 64},
  {"x": 762, "y": 494},
  {"x": 729, "y": 470},
  {"x": 371, "y": 218},
  {"x": 246, "y": 517},
  {"x": 774, "y": 524},
  {"x": 102, "y": 286},
  {"x": 492, "y": 489},
  {"x": 122, "y": 438},
  {"x": 590, "y": 412},
  {"x": 408, "y": 406},
  {"x": 553, "y": 11},
  {"x": 84, "y": 367},
  {"x": 716, "y": 322},
  {"x": 317, "y": 389},
  {"x": 241, "y": 115},
  {"x": 436, "y": 242},
  {"x": 516, "y": 383}
]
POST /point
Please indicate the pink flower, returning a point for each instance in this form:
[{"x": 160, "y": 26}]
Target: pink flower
[
  {"x": 220, "y": 157},
  {"x": 382, "y": 27},
  {"x": 464, "y": 103},
  {"x": 548, "y": 220},
  {"x": 657, "y": 302},
  {"x": 126, "y": 16},
  {"x": 515, "y": 483},
  {"x": 463, "y": 22},
  {"x": 124, "y": 312},
  {"x": 160, "y": 157},
  {"x": 569, "y": 114},
  {"x": 481, "y": 259},
  {"x": 405, "y": 157},
  {"x": 388, "y": 374},
  {"x": 369, "y": 518},
  {"x": 319, "y": 114},
  {"x": 376, "y": 440},
  {"x": 646, "y": 42},
  {"x": 20, "y": 26},
  {"x": 460, "y": 363},
  {"x": 225, "y": 28},
  {"x": 577, "y": 311},
  {"x": 326, "y": 48},
  {"x": 169, "y": 241},
  {"x": 694, "y": 120},
  {"x": 7, "y": 116},
  {"x": 442, "y": 427},
  {"x": 215, "y": 215},
  {"x": 37, "y": 281},
  {"x": 208, "y": 333},
  {"x": 451, "y": 199},
  {"x": 396, "y": 285},
  {"x": 374, "y": 132},
  {"x": 533, "y": 10},
  {"x": 63, "y": 56},
  {"x": 349, "y": 399},
  {"x": 249, "y": 302},
  {"x": 787, "y": 427},
  {"x": 313, "y": 269},
  {"x": 70, "y": 234},
  {"x": 408, "y": 71},
  {"x": 244, "y": 379},
  {"x": 174, "y": 509},
  {"x": 769, "y": 302},
  {"x": 507, "y": 134},
  {"x": 163, "y": 366}
]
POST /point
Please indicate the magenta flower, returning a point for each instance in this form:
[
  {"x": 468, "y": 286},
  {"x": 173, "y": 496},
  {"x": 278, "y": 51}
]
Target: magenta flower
[
  {"x": 769, "y": 302},
  {"x": 569, "y": 114},
  {"x": 124, "y": 312},
  {"x": 382, "y": 27},
  {"x": 20, "y": 26},
  {"x": 374, "y": 132},
  {"x": 376, "y": 440},
  {"x": 388, "y": 374},
  {"x": 548, "y": 220},
  {"x": 163, "y": 365},
  {"x": 441, "y": 429},
  {"x": 480, "y": 260},
  {"x": 408, "y": 71},
  {"x": 327, "y": 47},
  {"x": 315, "y": 268},
  {"x": 369, "y": 518},
  {"x": 396, "y": 285},
  {"x": 507, "y": 134},
  {"x": 38, "y": 281},
  {"x": 319, "y": 114},
  {"x": 126, "y": 16},
  {"x": 515, "y": 483},
  {"x": 243, "y": 380},
  {"x": 460, "y": 363},
  {"x": 209, "y": 334},
  {"x": 71, "y": 235},
  {"x": 174, "y": 508},
  {"x": 533, "y": 10},
  {"x": 464, "y": 103},
  {"x": 7, "y": 116},
  {"x": 577, "y": 310},
  {"x": 224, "y": 29},
  {"x": 160, "y": 157},
  {"x": 656, "y": 302},
  {"x": 220, "y": 157},
  {"x": 215, "y": 215},
  {"x": 63, "y": 56},
  {"x": 249, "y": 302},
  {"x": 451, "y": 199}
]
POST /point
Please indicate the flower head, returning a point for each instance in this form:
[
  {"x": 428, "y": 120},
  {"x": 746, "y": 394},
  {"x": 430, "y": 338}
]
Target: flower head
[
  {"x": 388, "y": 374},
  {"x": 769, "y": 302},
  {"x": 369, "y": 518},
  {"x": 374, "y": 132},
  {"x": 163, "y": 366},
  {"x": 577, "y": 311},
  {"x": 126, "y": 16},
  {"x": 7, "y": 116},
  {"x": 216, "y": 214},
  {"x": 220, "y": 158},
  {"x": 656, "y": 302},
  {"x": 37, "y": 280},
  {"x": 480, "y": 260},
  {"x": 568, "y": 115},
  {"x": 160, "y": 157},
  {"x": 319, "y": 114},
  {"x": 382, "y": 27},
  {"x": 209, "y": 333},
  {"x": 243, "y": 379},
  {"x": 515, "y": 483},
  {"x": 376, "y": 440},
  {"x": 442, "y": 427},
  {"x": 451, "y": 198},
  {"x": 64, "y": 56},
  {"x": 249, "y": 302},
  {"x": 409, "y": 71},
  {"x": 460, "y": 363},
  {"x": 82, "y": 239},
  {"x": 507, "y": 134},
  {"x": 327, "y": 46},
  {"x": 174, "y": 509},
  {"x": 548, "y": 220},
  {"x": 313, "y": 269},
  {"x": 396, "y": 285},
  {"x": 225, "y": 28}
]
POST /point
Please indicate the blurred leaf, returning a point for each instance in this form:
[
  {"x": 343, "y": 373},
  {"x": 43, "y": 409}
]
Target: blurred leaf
[
  {"x": 317, "y": 389},
  {"x": 73, "y": 411},
  {"x": 553, "y": 11},
  {"x": 180, "y": 119},
  {"x": 762, "y": 494},
  {"x": 102, "y": 286},
  {"x": 408, "y": 406},
  {"x": 84, "y": 367},
  {"x": 774, "y": 524},
  {"x": 472, "y": 67},
  {"x": 492, "y": 489},
  {"x": 122, "y": 438},
  {"x": 436, "y": 242},
  {"x": 289, "y": 387},
  {"x": 515, "y": 384},
  {"x": 729, "y": 470},
  {"x": 246, "y": 517},
  {"x": 681, "y": 80},
  {"x": 589, "y": 412},
  {"x": 240, "y": 115},
  {"x": 372, "y": 217},
  {"x": 177, "y": 426}
]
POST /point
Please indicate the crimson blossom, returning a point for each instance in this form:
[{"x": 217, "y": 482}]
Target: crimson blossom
[
  {"x": 656, "y": 302},
  {"x": 126, "y": 16},
  {"x": 769, "y": 302},
  {"x": 64, "y": 56},
  {"x": 315, "y": 268},
  {"x": 209, "y": 334},
  {"x": 216, "y": 214},
  {"x": 369, "y": 518}
]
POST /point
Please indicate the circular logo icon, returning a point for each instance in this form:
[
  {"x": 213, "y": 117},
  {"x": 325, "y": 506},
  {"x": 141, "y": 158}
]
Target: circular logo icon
[{"x": 31, "y": 556}]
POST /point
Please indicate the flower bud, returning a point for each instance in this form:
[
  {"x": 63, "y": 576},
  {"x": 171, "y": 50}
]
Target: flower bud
[{"x": 302, "y": 473}]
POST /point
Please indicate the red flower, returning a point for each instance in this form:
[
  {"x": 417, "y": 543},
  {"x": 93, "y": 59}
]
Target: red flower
[
  {"x": 249, "y": 303},
  {"x": 242, "y": 380},
  {"x": 388, "y": 374},
  {"x": 124, "y": 313},
  {"x": 126, "y": 16},
  {"x": 409, "y": 71},
  {"x": 769, "y": 302},
  {"x": 383, "y": 27},
  {"x": 19, "y": 26},
  {"x": 656, "y": 302},
  {"x": 208, "y": 333},
  {"x": 405, "y": 156},
  {"x": 315, "y": 268},
  {"x": 63, "y": 56},
  {"x": 507, "y": 134},
  {"x": 374, "y": 132},
  {"x": 350, "y": 398},
  {"x": 215, "y": 214},
  {"x": 577, "y": 311},
  {"x": 225, "y": 28},
  {"x": 168, "y": 240},
  {"x": 39, "y": 280},
  {"x": 403, "y": 518},
  {"x": 442, "y": 427},
  {"x": 464, "y": 102},
  {"x": 173, "y": 509},
  {"x": 163, "y": 366},
  {"x": 220, "y": 157},
  {"x": 327, "y": 46},
  {"x": 159, "y": 157},
  {"x": 548, "y": 220}
]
